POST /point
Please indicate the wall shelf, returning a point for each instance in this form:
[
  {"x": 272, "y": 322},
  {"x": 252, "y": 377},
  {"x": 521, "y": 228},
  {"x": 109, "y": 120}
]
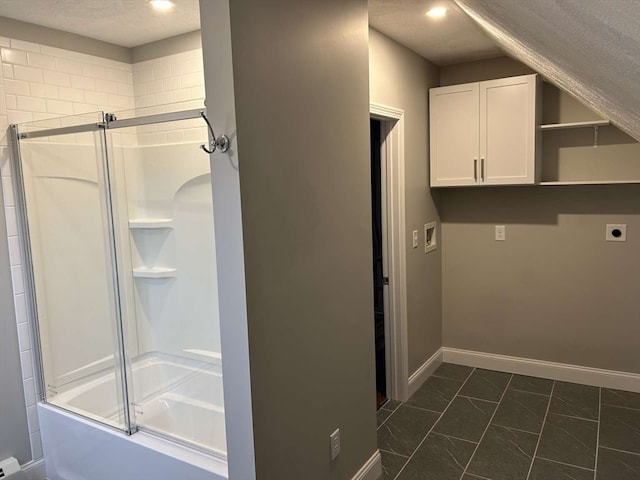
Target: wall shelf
[
  {"x": 150, "y": 223},
  {"x": 154, "y": 272},
  {"x": 563, "y": 126},
  {"x": 595, "y": 124}
]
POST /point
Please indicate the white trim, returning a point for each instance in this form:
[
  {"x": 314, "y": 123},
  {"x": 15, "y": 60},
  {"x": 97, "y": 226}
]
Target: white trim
[
  {"x": 539, "y": 368},
  {"x": 34, "y": 470},
  {"x": 425, "y": 370},
  {"x": 396, "y": 333},
  {"x": 385, "y": 112},
  {"x": 227, "y": 219},
  {"x": 371, "y": 470}
]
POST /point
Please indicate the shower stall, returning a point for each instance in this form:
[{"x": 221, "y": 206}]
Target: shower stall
[{"x": 116, "y": 219}]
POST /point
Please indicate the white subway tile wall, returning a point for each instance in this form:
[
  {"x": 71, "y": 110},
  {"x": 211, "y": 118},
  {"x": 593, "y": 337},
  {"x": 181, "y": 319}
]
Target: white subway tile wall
[
  {"x": 171, "y": 83},
  {"x": 39, "y": 82}
]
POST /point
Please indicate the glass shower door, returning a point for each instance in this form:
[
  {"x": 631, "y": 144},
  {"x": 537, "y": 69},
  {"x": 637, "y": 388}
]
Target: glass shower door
[
  {"x": 63, "y": 177},
  {"x": 168, "y": 274},
  {"x": 119, "y": 220}
]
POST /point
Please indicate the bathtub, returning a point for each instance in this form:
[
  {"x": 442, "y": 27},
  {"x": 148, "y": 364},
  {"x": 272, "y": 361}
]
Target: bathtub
[{"x": 174, "y": 398}]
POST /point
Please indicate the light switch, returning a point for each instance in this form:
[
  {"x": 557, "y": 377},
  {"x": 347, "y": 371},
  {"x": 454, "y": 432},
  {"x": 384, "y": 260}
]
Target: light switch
[
  {"x": 415, "y": 239},
  {"x": 501, "y": 233}
]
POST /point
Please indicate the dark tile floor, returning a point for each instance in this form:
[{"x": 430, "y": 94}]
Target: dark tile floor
[{"x": 474, "y": 424}]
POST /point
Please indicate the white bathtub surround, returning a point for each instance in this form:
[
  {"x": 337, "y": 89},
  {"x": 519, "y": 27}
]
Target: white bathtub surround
[
  {"x": 174, "y": 397},
  {"x": 162, "y": 188},
  {"x": 40, "y": 83},
  {"x": 77, "y": 449},
  {"x": 177, "y": 397},
  {"x": 163, "y": 220}
]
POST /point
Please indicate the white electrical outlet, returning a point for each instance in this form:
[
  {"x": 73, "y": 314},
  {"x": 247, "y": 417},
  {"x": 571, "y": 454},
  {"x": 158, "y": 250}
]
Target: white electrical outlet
[
  {"x": 616, "y": 232},
  {"x": 501, "y": 233},
  {"x": 335, "y": 444},
  {"x": 415, "y": 239}
]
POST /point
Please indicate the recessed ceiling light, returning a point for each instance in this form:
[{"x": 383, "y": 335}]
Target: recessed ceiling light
[
  {"x": 161, "y": 4},
  {"x": 437, "y": 12}
]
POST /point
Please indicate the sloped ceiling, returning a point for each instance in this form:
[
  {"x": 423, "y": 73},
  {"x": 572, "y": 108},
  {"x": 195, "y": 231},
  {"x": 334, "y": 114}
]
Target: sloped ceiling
[{"x": 590, "y": 48}]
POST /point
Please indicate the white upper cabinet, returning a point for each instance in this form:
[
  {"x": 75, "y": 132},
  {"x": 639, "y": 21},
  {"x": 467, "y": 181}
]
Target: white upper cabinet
[
  {"x": 485, "y": 133},
  {"x": 453, "y": 118}
]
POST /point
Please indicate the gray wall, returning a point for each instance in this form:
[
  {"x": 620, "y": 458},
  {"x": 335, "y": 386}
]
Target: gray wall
[
  {"x": 14, "y": 432},
  {"x": 302, "y": 103},
  {"x": 400, "y": 78},
  {"x": 480, "y": 70},
  {"x": 554, "y": 290}
]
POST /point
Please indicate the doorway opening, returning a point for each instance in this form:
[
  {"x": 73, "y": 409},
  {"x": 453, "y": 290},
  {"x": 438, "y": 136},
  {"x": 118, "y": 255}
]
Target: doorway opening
[
  {"x": 380, "y": 280},
  {"x": 389, "y": 252}
]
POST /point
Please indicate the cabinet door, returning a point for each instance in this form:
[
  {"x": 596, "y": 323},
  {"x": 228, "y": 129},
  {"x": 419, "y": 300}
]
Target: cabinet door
[
  {"x": 508, "y": 131},
  {"x": 453, "y": 119}
]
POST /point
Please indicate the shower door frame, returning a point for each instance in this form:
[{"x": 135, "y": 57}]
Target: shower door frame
[{"x": 123, "y": 368}]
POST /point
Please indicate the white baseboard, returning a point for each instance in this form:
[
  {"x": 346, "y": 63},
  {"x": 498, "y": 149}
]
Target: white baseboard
[
  {"x": 426, "y": 369},
  {"x": 34, "y": 470},
  {"x": 371, "y": 470},
  {"x": 543, "y": 369}
]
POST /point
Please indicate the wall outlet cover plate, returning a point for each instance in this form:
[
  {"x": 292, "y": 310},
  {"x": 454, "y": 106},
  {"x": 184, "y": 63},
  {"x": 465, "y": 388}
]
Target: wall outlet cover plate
[{"x": 616, "y": 232}]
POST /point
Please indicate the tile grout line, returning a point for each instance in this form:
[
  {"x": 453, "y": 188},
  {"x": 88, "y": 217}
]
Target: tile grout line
[
  {"x": 389, "y": 416},
  {"x": 434, "y": 424},
  {"x": 486, "y": 428},
  {"x": 621, "y": 451},
  {"x": 544, "y": 422},
  {"x": 384, "y": 421},
  {"x": 620, "y": 406},
  {"x": 595, "y": 467}
]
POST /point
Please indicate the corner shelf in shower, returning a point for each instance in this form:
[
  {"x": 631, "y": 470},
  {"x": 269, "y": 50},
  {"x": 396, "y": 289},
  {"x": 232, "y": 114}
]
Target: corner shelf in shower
[
  {"x": 150, "y": 223},
  {"x": 154, "y": 272}
]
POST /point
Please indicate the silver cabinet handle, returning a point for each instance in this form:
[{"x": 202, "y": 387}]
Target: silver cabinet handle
[
  {"x": 482, "y": 169},
  {"x": 475, "y": 169}
]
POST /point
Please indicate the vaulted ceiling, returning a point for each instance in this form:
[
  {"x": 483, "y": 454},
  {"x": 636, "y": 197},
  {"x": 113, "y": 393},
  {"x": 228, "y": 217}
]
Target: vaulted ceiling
[{"x": 588, "y": 48}]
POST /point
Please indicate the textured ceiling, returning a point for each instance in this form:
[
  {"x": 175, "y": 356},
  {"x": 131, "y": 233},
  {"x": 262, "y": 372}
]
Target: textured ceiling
[
  {"x": 590, "y": 49},
  {"x": 123, "y": 22},
  {"x": 129, "y": 23},
  {"x": 452, "y": 39}
]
